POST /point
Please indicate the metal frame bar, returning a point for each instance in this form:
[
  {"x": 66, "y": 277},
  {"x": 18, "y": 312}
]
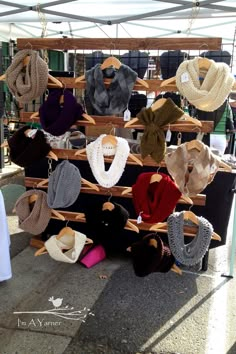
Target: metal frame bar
[
  {"x": 209, "y": 6},
  {"x": 16, "y": 11},
  {"x": 24, "y": 30},
  {"x": 161, "y": 12},
  {"x": 8, "y": 3},
  {"x": 75, "y": 17}
]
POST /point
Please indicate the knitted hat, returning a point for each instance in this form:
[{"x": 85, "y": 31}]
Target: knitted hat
[
  {"x": 191, "y": 253},
  {"x": 150, "y": 255},
  {"x": 34, "y": 217},
  {"x": 106, "y": 226},
  {"x": 157, "y": 200},
  {"x": 73, "y": 244},
  {"x": 213, "y": 91},
  {"x": 153, "y": 140},
  {"x": 64, "y": 185},
  {"x": 24, "y": 151},
  {"x": 27, "y": 82},
  {"x": 57, "y": 118}
]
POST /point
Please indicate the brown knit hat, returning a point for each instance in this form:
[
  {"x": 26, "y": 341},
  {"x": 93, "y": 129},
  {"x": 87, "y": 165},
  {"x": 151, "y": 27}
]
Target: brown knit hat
[
  {"x": 27, "y": 82},
  {"x": 33, "y": 218}
]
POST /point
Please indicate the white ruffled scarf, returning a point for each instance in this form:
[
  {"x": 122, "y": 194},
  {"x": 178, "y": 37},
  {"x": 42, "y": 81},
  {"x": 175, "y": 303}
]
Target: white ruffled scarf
[
  {"x": 214, "y": 89},
  {"x": 95, "y": 155}
]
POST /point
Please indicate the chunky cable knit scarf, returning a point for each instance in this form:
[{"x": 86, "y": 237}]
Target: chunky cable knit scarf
[
  {"x": 205, "y": 165},
  {"x": 191, "y": 253},
  {"x": 153, "y": 139},
  {"x": 27, "y": 82},
  {"x": 113, "y": 100},
  {"x": 33, "y": 218},
  {"x": 214, "y": 89},
  {"x": 96, "y": 161}
]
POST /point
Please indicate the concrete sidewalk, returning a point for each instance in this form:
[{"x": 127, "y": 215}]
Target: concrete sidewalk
[{"x": 163, "y": 313}]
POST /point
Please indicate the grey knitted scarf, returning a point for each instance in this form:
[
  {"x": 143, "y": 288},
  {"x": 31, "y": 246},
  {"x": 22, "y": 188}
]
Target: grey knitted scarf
[
  {"x": 27, "y": 82},
  {"x": 64, "y": 185},
  {"x": 113, "y": 100},
  {"x": 33, "y": 218},
  {"x": 191, "y": 253}
]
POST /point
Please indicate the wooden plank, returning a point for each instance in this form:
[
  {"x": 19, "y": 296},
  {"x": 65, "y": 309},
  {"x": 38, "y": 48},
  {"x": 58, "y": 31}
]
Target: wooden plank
[
  {"x": 71, "y": 216},
  {"x": 181, "y": 126},
  {"x": 116, "y": 191},
  {"x": 36, "y": 242},
  {"x": 120, "y": 43}
]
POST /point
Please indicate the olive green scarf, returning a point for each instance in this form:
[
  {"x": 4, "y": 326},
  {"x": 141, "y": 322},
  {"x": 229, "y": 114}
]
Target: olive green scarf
[{"x": 153, "y": 139}]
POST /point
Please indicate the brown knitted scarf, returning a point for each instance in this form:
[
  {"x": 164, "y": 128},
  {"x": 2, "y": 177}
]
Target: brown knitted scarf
[
  {"x": 27, "y": 82},
  {"x": 205, "y": 165},
  {"x": 33, "y": 218},
  {"x": 153, "y": 139}
]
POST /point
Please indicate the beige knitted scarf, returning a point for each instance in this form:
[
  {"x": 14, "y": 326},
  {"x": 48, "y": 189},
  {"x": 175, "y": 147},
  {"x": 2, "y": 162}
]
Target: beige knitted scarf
[
  {"x": 33, "y": 218},
  {"x": 214, "y": 89},
  {"x": 204, "y": 167},
  {"x": 27, "y": 82}
]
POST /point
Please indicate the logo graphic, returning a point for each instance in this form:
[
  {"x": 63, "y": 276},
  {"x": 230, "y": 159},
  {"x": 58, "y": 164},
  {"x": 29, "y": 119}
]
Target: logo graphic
[{"x": 66, "y": 312}]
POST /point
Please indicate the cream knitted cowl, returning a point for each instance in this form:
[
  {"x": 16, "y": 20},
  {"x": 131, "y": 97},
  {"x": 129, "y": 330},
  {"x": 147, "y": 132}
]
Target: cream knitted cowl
[
  {"x": 214, "y": 89},
  {"x": 204, "y": 167}
]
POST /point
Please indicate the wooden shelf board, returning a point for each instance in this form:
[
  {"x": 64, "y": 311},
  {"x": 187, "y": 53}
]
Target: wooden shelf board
[
  {"x": 181, "y": 126},
  {"x": 120, "y": 43},
  {"x": 116, "y": 191}
]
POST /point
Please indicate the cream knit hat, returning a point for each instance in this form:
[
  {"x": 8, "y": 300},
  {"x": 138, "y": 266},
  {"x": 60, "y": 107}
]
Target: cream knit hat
[
  {"x": 214, "y": 89},
  {"x": 27, "y": 82}
]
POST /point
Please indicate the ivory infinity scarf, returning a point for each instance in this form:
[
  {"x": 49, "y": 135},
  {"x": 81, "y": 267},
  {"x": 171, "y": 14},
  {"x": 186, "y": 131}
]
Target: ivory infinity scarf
[
  {"x": 214, "y": 89},
  {"x": 72, "y": 244},
  {"x": 205, "y": 165},
  {"x": 96, "y": 161},
  {"x": 191, "y": 253}
]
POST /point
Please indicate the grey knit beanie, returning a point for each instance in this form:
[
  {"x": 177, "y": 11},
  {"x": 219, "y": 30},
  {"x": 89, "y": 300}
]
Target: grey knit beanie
[
  {"x": 27, "y": 82},
  {"x": 191, "y": 253},
  {"x": 34, "y": 217},
  {"x": 64, "y": 185}
]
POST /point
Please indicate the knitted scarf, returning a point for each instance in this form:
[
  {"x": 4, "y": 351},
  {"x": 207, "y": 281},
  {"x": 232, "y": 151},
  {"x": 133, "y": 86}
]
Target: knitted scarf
[
  {"x": 33, "y": 218},
  {"x": 95, "y": 157},
  {"x": 64, "y": 185},
  {"x": 148, "y": 259},
  {"x": 113, "y": 100},
  {"x": 153, "y": 139},
  {"x": 55, "y": 118},
  {"x": 204, "y": 167},
  {"x": 106, "y": 226},
  {"x": 29, "y": 82},
  {"x": 191, "y": 253},
  {"x": 25, "y": 151},
  {"x": 73, "y": 244},
  {"x": 156, "y": 201},
  {"x": 214, "y": 89}
]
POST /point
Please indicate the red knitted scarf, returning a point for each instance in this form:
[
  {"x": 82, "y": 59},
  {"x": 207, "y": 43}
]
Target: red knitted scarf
[{"x": 157, "y": 200}]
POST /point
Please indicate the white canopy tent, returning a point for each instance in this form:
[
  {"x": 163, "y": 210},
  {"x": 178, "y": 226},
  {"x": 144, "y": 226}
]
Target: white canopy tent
[{"x": 119, "y": 18}]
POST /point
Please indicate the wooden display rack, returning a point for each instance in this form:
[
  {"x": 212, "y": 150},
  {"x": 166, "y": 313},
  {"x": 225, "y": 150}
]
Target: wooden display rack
[{"x": 154, "y": 85}]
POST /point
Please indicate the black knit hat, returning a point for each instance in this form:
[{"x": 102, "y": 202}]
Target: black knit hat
[
  {"x": 150, "y": 255},
  {"x": 24, "y": 151}
]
